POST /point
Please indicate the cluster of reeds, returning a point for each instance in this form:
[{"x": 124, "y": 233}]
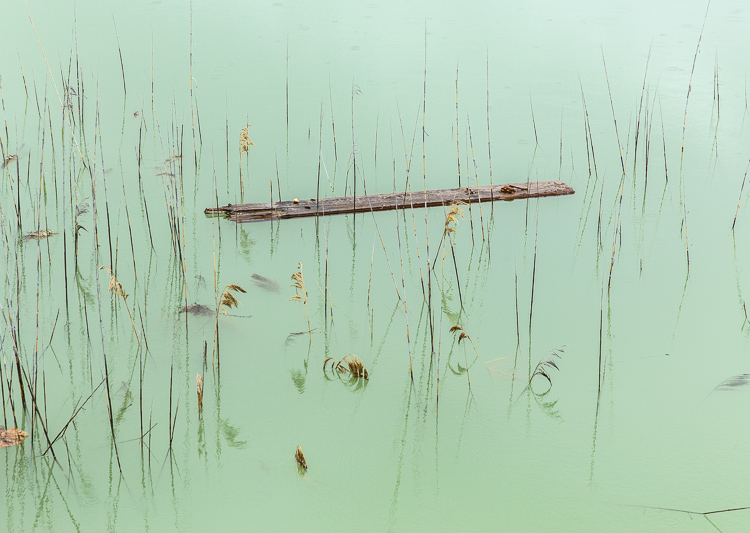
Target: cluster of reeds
[{"x": 350, "y": 365}]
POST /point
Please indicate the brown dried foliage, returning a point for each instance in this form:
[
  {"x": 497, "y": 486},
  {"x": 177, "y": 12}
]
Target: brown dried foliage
[
  {"x": 351, "y": 364},
  {"x": 199, "y": 389},
  {"x": 11, "y": 437},
  {"x": 115, "y": 287},
  {"x": 228, "y": 300},
  {"x": 39, "y": 234},
  {"x": 245, "y": 142},
  {"x": 300, "y": 458}
]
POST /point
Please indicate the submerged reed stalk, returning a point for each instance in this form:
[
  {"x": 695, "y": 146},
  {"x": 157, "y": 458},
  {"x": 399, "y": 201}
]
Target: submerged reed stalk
[{"x": 301, "y": 294}]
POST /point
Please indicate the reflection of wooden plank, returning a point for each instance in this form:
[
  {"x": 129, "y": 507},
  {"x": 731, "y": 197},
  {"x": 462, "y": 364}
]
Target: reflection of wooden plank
[{"x": 385, "y": 202}]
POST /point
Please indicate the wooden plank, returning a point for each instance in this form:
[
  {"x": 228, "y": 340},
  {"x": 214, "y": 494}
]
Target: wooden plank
[{"x": 390, "y": 201}]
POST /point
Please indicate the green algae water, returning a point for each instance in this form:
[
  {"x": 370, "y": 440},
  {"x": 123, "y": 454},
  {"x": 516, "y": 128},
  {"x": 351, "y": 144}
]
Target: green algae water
[{"x": 599, "y": 378}]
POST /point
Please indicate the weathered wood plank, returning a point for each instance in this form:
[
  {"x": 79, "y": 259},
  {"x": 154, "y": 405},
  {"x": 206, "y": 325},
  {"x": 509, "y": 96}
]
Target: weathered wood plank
[{"x": 390, "y": 201}]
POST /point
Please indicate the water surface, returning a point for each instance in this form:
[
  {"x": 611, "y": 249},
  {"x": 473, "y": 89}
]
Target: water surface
[{"x": 637, "y": 281}]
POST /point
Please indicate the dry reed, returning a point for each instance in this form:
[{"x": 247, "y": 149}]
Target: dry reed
[
  {"x": 245, "y": 144},
  {"x": 199, "y": 389},
  {"x": 300, "y": 458},
  {"x": 115, "y": 287},
  {"x": 545, "y": 365},
  {"x": 351, "y": 364},
  {"x": 301, "y": 294},
  {"x": 226, "y": 300}
]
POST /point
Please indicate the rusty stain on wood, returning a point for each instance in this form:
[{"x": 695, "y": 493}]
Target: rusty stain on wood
[{"x": 390, "y": 201}]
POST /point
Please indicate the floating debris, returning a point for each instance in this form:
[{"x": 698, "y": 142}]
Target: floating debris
[
  {"x": 733, "y": 383},
  {"x": 265, "y": 283},
  {"x": 384, "y": 202},
  {"x": 11, "y": 437},
  {"x": 39, "y": 234},
  {"x": 197, "y": 309},
  {"x": 9, "y": 159}
]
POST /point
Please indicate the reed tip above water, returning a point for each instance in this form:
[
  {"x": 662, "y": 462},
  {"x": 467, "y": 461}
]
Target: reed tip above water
[
  {"x": 300, "y": 458},
  {"x": 115, "y": 287},
  {"x": 245, "y": 142}
]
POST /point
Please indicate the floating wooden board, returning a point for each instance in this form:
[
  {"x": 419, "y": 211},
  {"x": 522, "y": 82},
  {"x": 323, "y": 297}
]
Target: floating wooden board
[{"x": 386, "y": 202}]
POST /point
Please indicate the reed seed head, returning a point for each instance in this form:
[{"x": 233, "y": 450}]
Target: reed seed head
[
  {"x": 228, "y": 300},
  {"x": 299, "y": 285},
  {"x": 115, "y": 287},
  {"x": 300, "y": 458},
  {"x": 245, "y": 142}
]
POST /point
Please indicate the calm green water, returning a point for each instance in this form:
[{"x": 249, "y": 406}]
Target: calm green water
[{"x": 606, "y": 269}]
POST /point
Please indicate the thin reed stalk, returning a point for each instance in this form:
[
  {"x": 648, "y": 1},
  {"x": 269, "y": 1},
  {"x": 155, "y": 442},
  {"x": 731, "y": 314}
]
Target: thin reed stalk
[
  {"x": 424, "y": 176},
  {"x": 320, "y": 157},
  {"x": 333, "y": 124},
  {"x": 489, "y": 139},
  {"x": 690, "y": 87},
  {"x": 533, "y": 279},
  {"x": 476, "y": 178},
  {"x": 406, "y": 309},
  {"x": 614, "y": 118},
  {"x": 193, "y": 103},
  {"x": 119, "y": 51},
  {"x": 458, "y": 150},
  {"x": 742, "y": 187}
]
